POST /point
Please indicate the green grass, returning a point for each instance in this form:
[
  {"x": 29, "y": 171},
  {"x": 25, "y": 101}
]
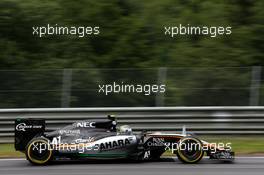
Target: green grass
[
  {"x": 242, "y": 145},
  {"x": 8, "y": 150}
]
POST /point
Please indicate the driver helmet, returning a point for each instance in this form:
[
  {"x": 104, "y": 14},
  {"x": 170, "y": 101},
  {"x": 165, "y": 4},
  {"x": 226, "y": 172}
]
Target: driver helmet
[{"x": 125, "y": 129}]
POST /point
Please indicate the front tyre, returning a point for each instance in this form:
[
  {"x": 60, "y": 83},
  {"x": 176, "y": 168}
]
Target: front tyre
[
  {"x": 190, "y": 150},
  {"x": 38, "y": 151}
]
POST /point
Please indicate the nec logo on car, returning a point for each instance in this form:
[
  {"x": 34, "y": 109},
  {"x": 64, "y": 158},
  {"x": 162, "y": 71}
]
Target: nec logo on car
[
  {"x": 23, "y": 127},
  {"x": 85, "y": 125}
]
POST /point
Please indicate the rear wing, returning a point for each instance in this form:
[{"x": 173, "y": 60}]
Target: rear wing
[{"x": 25, "y": 130}]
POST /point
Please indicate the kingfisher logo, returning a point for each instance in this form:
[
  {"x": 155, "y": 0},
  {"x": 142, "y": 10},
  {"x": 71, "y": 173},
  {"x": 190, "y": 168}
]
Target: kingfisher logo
[{"x": 114, "y": 144}]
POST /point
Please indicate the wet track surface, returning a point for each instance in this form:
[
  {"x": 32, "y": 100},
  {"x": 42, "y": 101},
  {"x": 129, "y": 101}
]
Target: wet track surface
[{"x": 241, "y": 166}]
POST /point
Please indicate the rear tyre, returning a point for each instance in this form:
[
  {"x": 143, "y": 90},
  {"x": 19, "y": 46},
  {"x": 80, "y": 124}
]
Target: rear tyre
[
  {"x": 38, "y": 151},
  {"x": 190, "y": 150}
]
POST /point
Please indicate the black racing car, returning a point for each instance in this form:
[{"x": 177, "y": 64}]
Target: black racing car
[{"x": 100, "y": 139}]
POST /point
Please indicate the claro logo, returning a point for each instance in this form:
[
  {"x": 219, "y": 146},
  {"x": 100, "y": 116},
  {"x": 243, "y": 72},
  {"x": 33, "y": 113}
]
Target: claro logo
[{"x": 24, "y": 126}]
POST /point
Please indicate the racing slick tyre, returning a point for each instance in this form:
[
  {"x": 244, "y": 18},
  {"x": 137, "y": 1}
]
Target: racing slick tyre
[
  {"x": 38, "y": 152},
  {"x": 190, "y": 150}
]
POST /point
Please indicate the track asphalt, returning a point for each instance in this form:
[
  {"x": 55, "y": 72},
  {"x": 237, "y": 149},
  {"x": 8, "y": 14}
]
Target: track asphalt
[{"x": 167, "y": 166}]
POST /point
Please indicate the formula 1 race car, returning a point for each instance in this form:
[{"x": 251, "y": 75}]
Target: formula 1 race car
[{"x": 101, "y": 139}]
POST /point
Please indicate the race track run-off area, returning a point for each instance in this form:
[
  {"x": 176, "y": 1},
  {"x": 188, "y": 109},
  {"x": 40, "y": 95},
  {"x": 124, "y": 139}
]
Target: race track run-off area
[{"x": 241, "y": 166}]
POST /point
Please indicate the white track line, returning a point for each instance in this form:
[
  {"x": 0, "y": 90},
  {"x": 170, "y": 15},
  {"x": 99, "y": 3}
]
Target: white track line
[
  {"x": 5, "y": 159},
  {"x": 238, "y": 157},
  {"x": 250, "y": 157}
]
